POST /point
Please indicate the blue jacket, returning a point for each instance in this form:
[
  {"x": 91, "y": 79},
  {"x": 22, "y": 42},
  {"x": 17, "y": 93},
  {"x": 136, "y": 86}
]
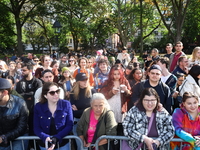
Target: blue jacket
[{"x": 63, "y": 120}]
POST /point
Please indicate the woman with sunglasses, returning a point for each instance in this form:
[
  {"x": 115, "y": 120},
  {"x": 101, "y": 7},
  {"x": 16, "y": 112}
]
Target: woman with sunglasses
[
  {"x": 90, "y": 65},
  {"x": 72, "y": 65},
  {"x": 144, "y": 121},
  {"x": 53, "y": 118},
  {"x": 186, "y": 121},
  {"x": 37, "y": 65}
]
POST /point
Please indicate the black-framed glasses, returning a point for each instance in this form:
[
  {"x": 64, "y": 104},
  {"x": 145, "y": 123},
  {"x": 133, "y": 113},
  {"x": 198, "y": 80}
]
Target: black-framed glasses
[
  {"x": 54, "y": 92},
  {"x": 36, "y": 60},
  {"x": 71, "y": 60}
]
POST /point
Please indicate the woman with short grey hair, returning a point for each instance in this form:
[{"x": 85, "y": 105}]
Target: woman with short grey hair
[{"x": 96, "y": 121}]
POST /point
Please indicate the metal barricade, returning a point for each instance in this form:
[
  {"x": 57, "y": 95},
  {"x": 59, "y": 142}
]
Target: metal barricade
[
  {"x": 34, "y": 138},
  {"x": 109, "y": 138}
]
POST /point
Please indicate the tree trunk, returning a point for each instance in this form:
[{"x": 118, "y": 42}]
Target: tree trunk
[
  {"x": 19, "y": 37},
  {"x": 141, "y": 28}
]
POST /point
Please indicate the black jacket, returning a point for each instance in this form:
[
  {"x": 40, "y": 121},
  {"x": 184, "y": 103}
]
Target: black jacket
[
  {"x": 162, "y": 89},
  {"x": 13, "y": 119},
  {"x": 27, "y": 89}
]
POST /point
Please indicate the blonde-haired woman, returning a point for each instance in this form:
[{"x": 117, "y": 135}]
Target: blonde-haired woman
[
  {"x": 195, "y": 60},
  {"x": 3, "y": 69},
  {"x": 80, "y": 98}
]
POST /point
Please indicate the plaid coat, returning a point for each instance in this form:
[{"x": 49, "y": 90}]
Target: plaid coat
[{"x": 136, "y": 124}]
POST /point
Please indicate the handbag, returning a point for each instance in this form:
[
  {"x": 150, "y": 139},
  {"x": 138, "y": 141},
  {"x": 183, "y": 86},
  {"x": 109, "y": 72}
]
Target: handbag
[{"x": 149, "y": 127}]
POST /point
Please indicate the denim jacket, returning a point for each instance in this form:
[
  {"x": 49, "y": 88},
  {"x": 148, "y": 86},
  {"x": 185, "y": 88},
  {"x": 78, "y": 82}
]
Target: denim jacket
[{"x": 63, "y": 120}]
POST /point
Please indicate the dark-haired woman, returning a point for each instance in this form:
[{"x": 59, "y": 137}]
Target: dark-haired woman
[
  {"x": 135, "y": 77},
  {"x": 192, "y": 82},
  {"x": 53, "y": 118},
  {"x": 82, "y": 62},
  {"x": 186, "y": 120},
  {"x": 46, "y": 64},
  {"x": 143, "y": 122}
]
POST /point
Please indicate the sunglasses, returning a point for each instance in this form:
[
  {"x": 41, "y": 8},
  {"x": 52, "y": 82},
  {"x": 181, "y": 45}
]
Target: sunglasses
[
  {"x": 54, "y": 92},
  {"x": 36, "y": 60},
  {"x": 71, "y": 60}
]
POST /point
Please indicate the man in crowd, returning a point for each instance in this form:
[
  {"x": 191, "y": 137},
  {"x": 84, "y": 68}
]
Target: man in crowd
[
  {"x": 175, "y": 56},
  {"x": 13, "y": 118},
  {"x": 63, "y": 62},
  {"x": 124, "y": 57},
  {"x": 26, "y": 87},
  {"x": 168, "y": 48},
  {"x": 182, "y": 66},
  {"x": 155, "y": 73}
]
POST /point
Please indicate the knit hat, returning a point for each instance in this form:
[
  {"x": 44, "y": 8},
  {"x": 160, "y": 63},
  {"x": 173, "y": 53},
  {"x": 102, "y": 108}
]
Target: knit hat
[{"x": 64, "y": 69}]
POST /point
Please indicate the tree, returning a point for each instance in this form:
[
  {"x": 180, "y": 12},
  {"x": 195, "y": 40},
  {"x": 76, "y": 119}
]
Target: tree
[
  {"x": 21, "y": 10},
  {"x": 173, "y": 13},
  {"x": 6, "y": 29},
  {"x": 191, "y": 27}
]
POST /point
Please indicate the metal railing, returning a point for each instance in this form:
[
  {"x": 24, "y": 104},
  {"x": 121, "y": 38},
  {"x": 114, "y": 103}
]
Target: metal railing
[
  {"x": 70, "y": 137},
  {"x": 34, "y": 138},
  {"x": 109, "y": 138}
]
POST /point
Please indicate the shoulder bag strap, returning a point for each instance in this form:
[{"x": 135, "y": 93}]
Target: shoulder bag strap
[
  {"x": 182, "y": 85},
  {"x": 149, "y": 127}
]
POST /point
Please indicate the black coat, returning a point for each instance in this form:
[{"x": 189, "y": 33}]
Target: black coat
[{"x": 13, "y": 119}]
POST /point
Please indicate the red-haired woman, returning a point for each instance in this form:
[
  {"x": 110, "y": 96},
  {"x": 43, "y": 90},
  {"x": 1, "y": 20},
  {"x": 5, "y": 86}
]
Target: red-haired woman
[{"x": 116, "y": 90}]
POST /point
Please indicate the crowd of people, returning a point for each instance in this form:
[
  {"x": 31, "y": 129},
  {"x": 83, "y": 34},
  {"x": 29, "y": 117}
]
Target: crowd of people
[{"x": 149, "y": 102}]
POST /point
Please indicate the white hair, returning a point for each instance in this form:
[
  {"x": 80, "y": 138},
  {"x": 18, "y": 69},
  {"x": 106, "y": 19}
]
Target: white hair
[{"x": 100, "y": 96}]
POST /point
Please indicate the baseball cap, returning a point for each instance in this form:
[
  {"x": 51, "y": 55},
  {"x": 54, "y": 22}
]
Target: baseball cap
[
  {"x": 4, "y": 84},
  {"x": 155, "y": 67},
  {"x": 81, "y": 77}
]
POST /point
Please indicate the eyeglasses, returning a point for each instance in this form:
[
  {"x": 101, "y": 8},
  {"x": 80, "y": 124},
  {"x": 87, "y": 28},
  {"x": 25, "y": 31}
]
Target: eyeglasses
[
  {"x": 89, "y": 62},
  {"x": 71, "y": 60},
  {"x": 150, "y": 100},
  {"x": 36, "y": 60},
  {"x": 52, "y": 93}
]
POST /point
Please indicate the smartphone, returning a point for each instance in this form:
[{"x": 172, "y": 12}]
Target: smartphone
[
  {"x": 48, "y": 144},
  {"x": 154, "y": 146}
]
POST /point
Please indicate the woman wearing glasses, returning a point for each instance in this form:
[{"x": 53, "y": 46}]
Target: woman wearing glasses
[
  {"x": 143, "y": 122},
  {"x": 53, "y": 118},
  {"x": 90, "y": 65},
  {"x": 72, "y": 65},
  {"x": 37, "y": 65}
]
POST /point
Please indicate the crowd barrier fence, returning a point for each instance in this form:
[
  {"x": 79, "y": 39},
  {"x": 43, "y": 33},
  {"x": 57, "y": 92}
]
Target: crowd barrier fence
[
  {"x": 109, "y": 138},
  {"x": 70, "y": 137},
  {"x": 34, "y": 138}
]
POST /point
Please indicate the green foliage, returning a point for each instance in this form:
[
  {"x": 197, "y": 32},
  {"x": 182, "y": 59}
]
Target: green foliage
[{"x": 7, "y": 34}]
